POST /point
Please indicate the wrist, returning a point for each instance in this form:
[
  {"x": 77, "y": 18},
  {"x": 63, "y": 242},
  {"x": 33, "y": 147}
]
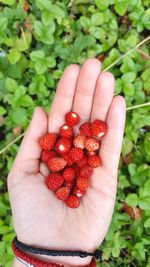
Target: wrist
[
  {"x": 60, "y": 257},
  {"x": 17, "y": 263},
  {"x": 31, "y": 256}
]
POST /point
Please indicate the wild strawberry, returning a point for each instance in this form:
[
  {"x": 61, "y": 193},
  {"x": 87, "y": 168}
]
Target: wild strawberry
[
  {"x": 78, "y": 192},
  {"x": 98, "y": 128},
  {"x": 91, "y": 153},
  {"x": 66, "y": 131},
  {"x": 69, "y": 184},
  {"x": 93, "y": 263},
  {"x": 76, "y": 154},
  {"x": 79, "y": 141},
  {"x": 71, "y": 118},
  {"x": 85, "y": 129},
  {"x": 72, "y": 202},
  {"x": 47, "y": 142},
  {"x": 67, "y": 158},
  {"x": 47, "y": 154},
  {"x": 56, "y": 164},
  {"x": 76, "y": 169},
  {"x": 86, "y": 171},
  {"x": 62, "y": 193},
  {"x": 94, "y": 161},
  {"x": 69, "y": 174},
  {"x": 82, "y": 162},
  {"x": 63, "y": 145},
  {"x": 91, "y": 144},
  {"x": 82, "y": 183},
  {"x": 54, "y": 181}
]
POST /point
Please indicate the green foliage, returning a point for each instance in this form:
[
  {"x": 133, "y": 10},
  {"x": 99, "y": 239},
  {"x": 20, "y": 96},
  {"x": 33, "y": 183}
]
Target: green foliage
[{"x": 36, "y": 45}]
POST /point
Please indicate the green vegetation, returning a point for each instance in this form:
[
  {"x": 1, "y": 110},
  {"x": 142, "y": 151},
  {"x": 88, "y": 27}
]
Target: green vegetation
[{"x": 38, "y": 40}]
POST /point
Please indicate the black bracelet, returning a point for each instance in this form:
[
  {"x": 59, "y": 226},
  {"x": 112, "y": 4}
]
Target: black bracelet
[{"x": 49, "y": 252}]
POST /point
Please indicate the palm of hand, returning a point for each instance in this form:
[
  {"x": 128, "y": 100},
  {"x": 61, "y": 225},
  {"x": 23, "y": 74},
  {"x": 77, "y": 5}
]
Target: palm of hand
[{"x": 39, "y": 218}]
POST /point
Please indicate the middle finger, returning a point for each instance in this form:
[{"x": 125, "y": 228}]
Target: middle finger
[{"x": 86, "y": 84}]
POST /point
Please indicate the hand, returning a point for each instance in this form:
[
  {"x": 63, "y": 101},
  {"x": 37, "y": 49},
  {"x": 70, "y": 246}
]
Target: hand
[{"x": 39, "y": 218}]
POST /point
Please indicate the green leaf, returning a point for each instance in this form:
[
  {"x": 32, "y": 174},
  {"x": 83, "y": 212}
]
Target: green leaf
[
  {"x": 129, "y": 77},
  {"x": 97, "y": 19},
  {"x": 120, "y": 8},
  {"x": 3, "y": 23},
  {"x": 2, "y": 111},
  {"x": 132, "y": 200},
  {"x": 57, "y": 11},
  {"x": 43, "y": 4},
  {"x": 37, "y": 55},
  {"x": 26, "y": 101},
  {"x": 45, "y": 33},
  {"x": 41, "y": 66},
  {"x": 19, "y": 116},
  {"x": 129, "y": 89},
  {"x": 102, "y": 5},
  {"x": 14, "y": 56},
  {"x": 132, "y": 40},
  {"x": 127, "y": 146},
  {"x": 47, "y": 17},
  {"x": 85, "y": 22},
  {"x": 83, "y": 42},
  {"x": 23, "y": 43},
  {"x": 147, "y": 223},
  {"x": 8, "y": 2},
  {"x": 11, "y": 85},
  {"x": 146, "y": 74},
  {"x": 132, "y": 169},
  {"x": 51, "y": 62}
]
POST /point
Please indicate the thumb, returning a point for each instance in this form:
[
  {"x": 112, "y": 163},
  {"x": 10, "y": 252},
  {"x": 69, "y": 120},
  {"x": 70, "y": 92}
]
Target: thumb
[{"x": 29, "y": 152}]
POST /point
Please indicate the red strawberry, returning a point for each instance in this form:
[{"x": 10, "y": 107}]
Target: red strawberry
[
  {"x": 82, "y": 183},
  {"x": 85, "y": 129},
  {"x": 62, "y": 193},
  {"x": 94, "y": 161},
  {"x": 76, "y": 169},
  {"x": 56, "y": 164},
  {"x": 78, "y": 192},
  {"x": 75, "y": 154},
  {"x": 66, "y": 131},
  {"x": 91, "y": 144},
  {"x": 54, "y": 181},
  {"x": 71, "y": 118},
  {"x": 63, "y": 145},
  {"x": 67, "y": 158},
  {"x": 47, "y": 154},
  {"x": 72, "y": 202},
  {"x": 93, "y": 263},
  {"x": 47, "y": 142},
  {"x": 86, "y": 171},
  {"x": 82, "y": 162},
  {"x": 91, "y": 153},
  {"x": 79, "y": 141},
  {"x": 69, "y": 174},
  {"x": 69, "y": 184},
  {"x": 98, "y": 128}
]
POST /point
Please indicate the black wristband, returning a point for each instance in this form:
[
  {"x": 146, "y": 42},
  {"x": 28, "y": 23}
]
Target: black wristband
[{"x": 49, "y": 252}]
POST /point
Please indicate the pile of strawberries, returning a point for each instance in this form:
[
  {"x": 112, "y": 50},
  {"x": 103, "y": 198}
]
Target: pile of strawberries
[{"x": 71, "y": 158}]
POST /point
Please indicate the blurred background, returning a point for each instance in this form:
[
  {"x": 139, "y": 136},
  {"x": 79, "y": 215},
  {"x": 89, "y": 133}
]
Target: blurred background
[{"x": 38, "y": 39}]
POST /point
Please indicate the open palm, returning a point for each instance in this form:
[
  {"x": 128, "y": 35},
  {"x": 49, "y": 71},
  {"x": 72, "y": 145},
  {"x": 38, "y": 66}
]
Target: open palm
[{"x": 39, "y": 218}]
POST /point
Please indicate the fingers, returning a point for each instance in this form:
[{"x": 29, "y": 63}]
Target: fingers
[
  {"x": 85, "y": 88},
  {"x": 30, "y": 149},
  {"x": 111, "y": 143},
  {"x": 64, "y": 97},
  {"x": 103, "y": 96}
]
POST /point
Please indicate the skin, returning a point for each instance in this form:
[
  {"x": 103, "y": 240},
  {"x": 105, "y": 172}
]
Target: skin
[{"x": 39, "y": 218}]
